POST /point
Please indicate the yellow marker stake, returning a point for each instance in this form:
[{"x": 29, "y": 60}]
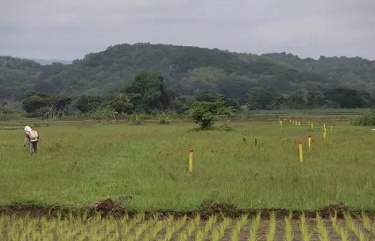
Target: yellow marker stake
[
  {"x": 300, "y": 152},
  {"x": 324, "y": 133},
  {"x": 296, "y": 123},
  {"x": 312, "y": 126},
  {"x": 309, "y": 141},
  {"x": 281, "y": 123},
  {"x": 299, "y": 123},
  {"x": 324, "y": 126},
  {"x": 331, "y": 128},
  {"x": 190, "y": 160}
]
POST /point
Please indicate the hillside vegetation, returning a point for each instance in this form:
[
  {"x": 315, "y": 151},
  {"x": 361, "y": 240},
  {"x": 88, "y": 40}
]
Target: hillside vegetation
[
  {"x": 170, "y": 77},
  {"x": 188, "y": 69}
]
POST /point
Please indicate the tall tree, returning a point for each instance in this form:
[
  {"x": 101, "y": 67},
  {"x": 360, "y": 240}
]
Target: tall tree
[
  {"x": 88, "y": 103},
  {"x": 33, "y": 101},
  {"x": 36, "y": 103},
  {"x": 147, "y": 91},
  {"x": 211, "y": 96},
  {"x": 345, "y": 98},
  {"x": 122, "y": 104},
  {"x": 260, "y": 98}
]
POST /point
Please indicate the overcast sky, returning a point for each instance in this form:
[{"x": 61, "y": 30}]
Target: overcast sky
[{"x": 68, "y": 29}]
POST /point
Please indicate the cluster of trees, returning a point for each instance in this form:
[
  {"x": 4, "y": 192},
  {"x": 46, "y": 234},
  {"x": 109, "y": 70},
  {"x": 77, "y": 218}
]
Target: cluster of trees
[
  {"x": 39, "y": 104},
  {"x": 261, "y": 98},
  {"x": 147, "y": 93}
]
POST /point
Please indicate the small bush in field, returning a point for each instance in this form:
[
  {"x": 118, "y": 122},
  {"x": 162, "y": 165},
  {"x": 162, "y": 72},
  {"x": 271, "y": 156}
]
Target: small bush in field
[
  {"x": 137, "y": 119},
  {"x": 367, "y": 119},
  {"x": 225, "y": 127},
  {"x": 165, "y": 118},
  {"x": 207, "y": 113}
]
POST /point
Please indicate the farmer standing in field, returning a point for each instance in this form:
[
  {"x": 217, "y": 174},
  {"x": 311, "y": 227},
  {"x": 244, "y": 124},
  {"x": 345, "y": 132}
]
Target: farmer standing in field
[{"x": 31, "y": 139}]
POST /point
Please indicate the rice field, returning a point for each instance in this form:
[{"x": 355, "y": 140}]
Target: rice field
[{"x": 215, "y": 228}]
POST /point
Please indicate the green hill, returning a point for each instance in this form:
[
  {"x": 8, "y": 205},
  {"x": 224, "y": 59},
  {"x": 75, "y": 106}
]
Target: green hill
[
  {"x": 188, "y": 69},
  {"x": 17, "y": 76},
  {"x": 51, "y": 61}
]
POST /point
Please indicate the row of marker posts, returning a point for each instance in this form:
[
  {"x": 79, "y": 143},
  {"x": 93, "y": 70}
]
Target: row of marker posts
[
  {"x": 309, "y": 139},
  {"x": 300, "y": 149},
  {"x": 311, "y": 125}
]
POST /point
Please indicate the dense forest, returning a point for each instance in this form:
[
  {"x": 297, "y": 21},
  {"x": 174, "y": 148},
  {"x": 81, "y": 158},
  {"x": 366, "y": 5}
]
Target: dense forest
[{"x": 268, "y": 81}]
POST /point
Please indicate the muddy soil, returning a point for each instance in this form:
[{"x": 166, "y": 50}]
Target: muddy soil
[{"x": 108, "y": 207}]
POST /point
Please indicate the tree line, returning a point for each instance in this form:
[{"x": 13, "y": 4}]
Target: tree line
[{"x": 147, "y": 93}]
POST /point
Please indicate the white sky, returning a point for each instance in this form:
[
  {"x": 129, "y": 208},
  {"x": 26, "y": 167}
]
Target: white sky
[{"x": 70, "y": 29}]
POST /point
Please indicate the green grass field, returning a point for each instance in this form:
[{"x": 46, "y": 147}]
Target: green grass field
[{"x": 81, "y": 163}]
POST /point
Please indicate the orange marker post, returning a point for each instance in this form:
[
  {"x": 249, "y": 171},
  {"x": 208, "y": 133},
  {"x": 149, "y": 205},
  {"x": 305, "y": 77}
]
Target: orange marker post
[
  {"x": 190, "y": 164},
  {"x": 300, "y": 152}
]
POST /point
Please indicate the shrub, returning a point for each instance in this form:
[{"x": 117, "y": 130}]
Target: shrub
[
  {"x": 225, "y": 127},
  {"x": 206, "y": 113},
  {"x": 8, "y": 117},
  {"x": 165, "y": 118},
  {"x": 137, "y": 119},
  {"x": 367, "y": 119}
]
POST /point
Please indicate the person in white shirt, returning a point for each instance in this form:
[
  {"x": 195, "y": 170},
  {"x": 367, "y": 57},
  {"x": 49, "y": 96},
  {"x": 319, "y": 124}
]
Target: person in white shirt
[{"x": 31, "y": 139}]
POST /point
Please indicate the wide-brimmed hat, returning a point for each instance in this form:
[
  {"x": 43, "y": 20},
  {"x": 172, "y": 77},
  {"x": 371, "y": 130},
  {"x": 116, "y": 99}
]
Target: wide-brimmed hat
[{"x": 27, "y": 128}]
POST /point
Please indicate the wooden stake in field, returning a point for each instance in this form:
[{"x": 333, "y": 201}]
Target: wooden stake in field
[
  {"x": 281, "y": 123},
  {"x": 324, "y": 133},
  {"x": 296, "y": 122},
  {"x": 190, "y": 164},
  {"x": 299, "y": 123},
  {"x": 312, "y": 126},
  {"x": 324, "y": 126},
  {"x": 309, "y": 141},
  {"x": 300, "y": 152},
  {"x": 331, "y": 128}
]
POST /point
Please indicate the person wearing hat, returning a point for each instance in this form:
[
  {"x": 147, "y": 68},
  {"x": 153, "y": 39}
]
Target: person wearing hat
[{"x": 31, "y": 139}]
